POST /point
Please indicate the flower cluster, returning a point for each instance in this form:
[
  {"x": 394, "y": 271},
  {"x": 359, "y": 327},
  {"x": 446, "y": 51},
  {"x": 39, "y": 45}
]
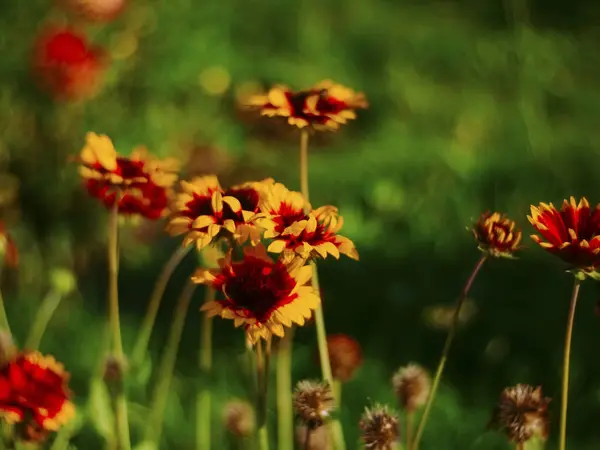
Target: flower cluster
[{"x": 325, "y": 106}]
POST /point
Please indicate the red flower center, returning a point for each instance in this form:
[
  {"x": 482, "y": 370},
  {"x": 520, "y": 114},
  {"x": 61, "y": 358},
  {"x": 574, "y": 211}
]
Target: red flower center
[
  {"x": 201, "y": 205},
  {"x": 259, "y": 287},
  {"x": 67, "y": 48}
]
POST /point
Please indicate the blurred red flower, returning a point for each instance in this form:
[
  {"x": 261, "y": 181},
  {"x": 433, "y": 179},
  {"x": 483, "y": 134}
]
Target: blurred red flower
[
  {"x": 66, "y": 65},
  {"x": 94, "y": 10}
]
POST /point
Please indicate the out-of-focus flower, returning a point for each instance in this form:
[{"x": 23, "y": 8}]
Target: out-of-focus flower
[
  {"x": 345, "y": 356},
  {"x": 411, "y": 385},
  {"x": 204, "y": 211},
  {"x": 139, "y": 183},
  {"x": 313, "y": 403},
  {"x": 319, "y": 438},
  {"x": 497, "y": 235},
  {"x": 8, "y": 350},
  {"x": 442, "y": 316},
  {"x": 325, "y": 106},
  {"x": 67, "y": 65},
  {"x": 94, "y": 10},
  {"x": 379, "y": 427},
  {"x": 298, "y": 231},
  {"x": 261, "y": 295},
  {"x": 34, "y": 393},
  {"x": 8, "y": 249},
  {"x": 238, "y": 417},
  {"x": 571, "y": 233},
  {"x": 522, "y": 413}
]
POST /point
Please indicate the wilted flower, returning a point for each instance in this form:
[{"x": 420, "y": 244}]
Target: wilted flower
[
  {"x": 345, "y": 356},
  {"x": 8, "y": 249},
  {"x": 66, "y": 64},
  {"x": 34, "y": 394},
  {"x": 572, "y": 234},
  {"x": 411, "y": 385},
  {"x": 204, "y": 211},
  {"x": 379, "y": 428},
  {"x": 95, "y": 10},
  {"x": 497, "y": 235},
  {"x": 319, "y": 438},
  {"x": 313, "y": 403},
  {"x": 238, "y": 417},
  {"x": 522, "y": 413},
  {"x": 324, "y": 107},
  {"x": 295, "y": 232},
  {"x": 139, "y": 183},
  {"x": 261, "y": 295}
]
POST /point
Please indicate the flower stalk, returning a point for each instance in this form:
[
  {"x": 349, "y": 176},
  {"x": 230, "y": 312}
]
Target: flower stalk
[
  {"x": 121, "y": 420},
  {"x": 4, "y": 325},
  {"x": 285, "y": 419},
  {"x": 203, "y": 399},
  {"x": 141, "y": 344},
  {"x": 262, "y": 367},
  {"x": 42, "y": 319},
  {"x": 446, "y": 350},
  {"x": 167, "y": 366},
  {"x": 566, "y": 363}
]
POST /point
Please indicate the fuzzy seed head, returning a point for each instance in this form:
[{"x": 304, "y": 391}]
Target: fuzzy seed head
[
  {"x": 313, "y": 402},
  {"x": 238, "y": 417},
  {"x": 411, "y": 385},
  {"x": 522, "y": 413},
  {"x": 380, "y": 429}
]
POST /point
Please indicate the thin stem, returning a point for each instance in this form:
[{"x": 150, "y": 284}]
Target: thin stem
[
  {"x": 307, "y": 438},
  {"x": 141, "y": 344},
  {"x": 122, "y": 423},
  {"x": 203, "y": 399},
  {"x": 285, "y": 417},
  {"x": 520, "y": 446},
  {"x": 42, "y": 319},
  {"x": 261, "y": 398},
  {"x": 3, "y": 317},
  {"x": 565, "y": 379},
  {"x": 167, "y": 366},
  {"x": 410, "y": 424},
  {"x": 304, "y": 165},
  {"x": 446, "y": 351}
]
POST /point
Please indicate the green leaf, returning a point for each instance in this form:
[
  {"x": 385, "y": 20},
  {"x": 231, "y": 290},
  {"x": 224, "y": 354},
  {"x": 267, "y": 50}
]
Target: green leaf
[{"x": 100, "y": 410}]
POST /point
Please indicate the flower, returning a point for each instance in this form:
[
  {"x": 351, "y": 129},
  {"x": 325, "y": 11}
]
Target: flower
[
  {"x": 34, "y": 393},
  {"x": 345, "y": 356},
  {"x": 66, "y": 64},
  {"x": 95, "y": 10},
  {"x": 296, "y": 230},
  {"x": 522, "y": 413},
  {"x": 140, "y": 183},
  {"x": 497, "y": 235},
  {"x": 204, "y": 211},
  {"x": 572, "y": 234},
  {"x": 412, "y": 385},
  {"x": 324, "y": 106},
  {"x": 238, "y": 417},
  {"x": 313, "y": 403},
  {"x": 261, "y": 295},
  {"x": 379, "y": 428}
]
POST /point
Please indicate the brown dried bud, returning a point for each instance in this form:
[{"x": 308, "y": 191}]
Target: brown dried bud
[
  {"x": 238, "y": 417},
  {"x": 522, "y": 413},
  {"x": 379, "y": 427},
  {"x": 345, "y": 356},
  {"x": 497, "y": 235},
  {"x": 411, "y": 385},
  {"x": 114, "y": 369},
  {"x": 318, "y": 440},
  {"x": 313, "y": 402}
]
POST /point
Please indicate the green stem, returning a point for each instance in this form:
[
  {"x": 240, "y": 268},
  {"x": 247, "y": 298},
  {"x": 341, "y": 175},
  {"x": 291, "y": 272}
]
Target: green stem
[
  {"x": 262, "y": 364},
  {"x": 167, "y": 366},
  {"x": 520, "y": 446},
  {"x": 122, "y": 423},
  {"x": 410, "y": 416},
  {"x": 203, "y": 399},
  {"x": 42, "y": 319},
  {"x": 3, "y": 317},
  {"x": 141, "y": 344},
  {"x": 285, "y": 413},
  {"x": 446, "y": 351},
  {"x": 565, "y": 379}
]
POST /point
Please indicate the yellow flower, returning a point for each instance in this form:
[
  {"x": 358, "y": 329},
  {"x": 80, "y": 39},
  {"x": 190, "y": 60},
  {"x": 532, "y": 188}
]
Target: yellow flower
[{"x": 261, "y": 295}]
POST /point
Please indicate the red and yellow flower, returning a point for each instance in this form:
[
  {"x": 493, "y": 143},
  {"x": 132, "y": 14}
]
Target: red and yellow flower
[
  {"x": 325, "y": 106},
  {"x": 261, "y": 295},
  {"x": 298, "y": 231},
  {"x": 139, "y": 183},
  {"x": 34, "y": 392},
  {"x": 204, "y": 210},
  {"x": 571, "y": 233},
  {"x": 497, "y": 235}
]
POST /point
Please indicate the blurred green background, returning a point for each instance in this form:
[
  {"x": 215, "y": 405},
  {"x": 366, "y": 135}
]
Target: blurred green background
[{"x": 474, "y": 106}]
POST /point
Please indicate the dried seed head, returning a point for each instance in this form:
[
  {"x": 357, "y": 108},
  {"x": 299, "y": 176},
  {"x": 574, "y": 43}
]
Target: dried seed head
[
  {"x": 319, "y": 438},
  {"x": 313, "y": 402},
  {"x": 238, "y": 417},
  {"x": 379, "y": 428},
  {"x": 522, "y": 413},
  {"x": 114, "y": 368},
  {"x": 345, "y": 356},
  {"x": 412, "y": 385}
]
